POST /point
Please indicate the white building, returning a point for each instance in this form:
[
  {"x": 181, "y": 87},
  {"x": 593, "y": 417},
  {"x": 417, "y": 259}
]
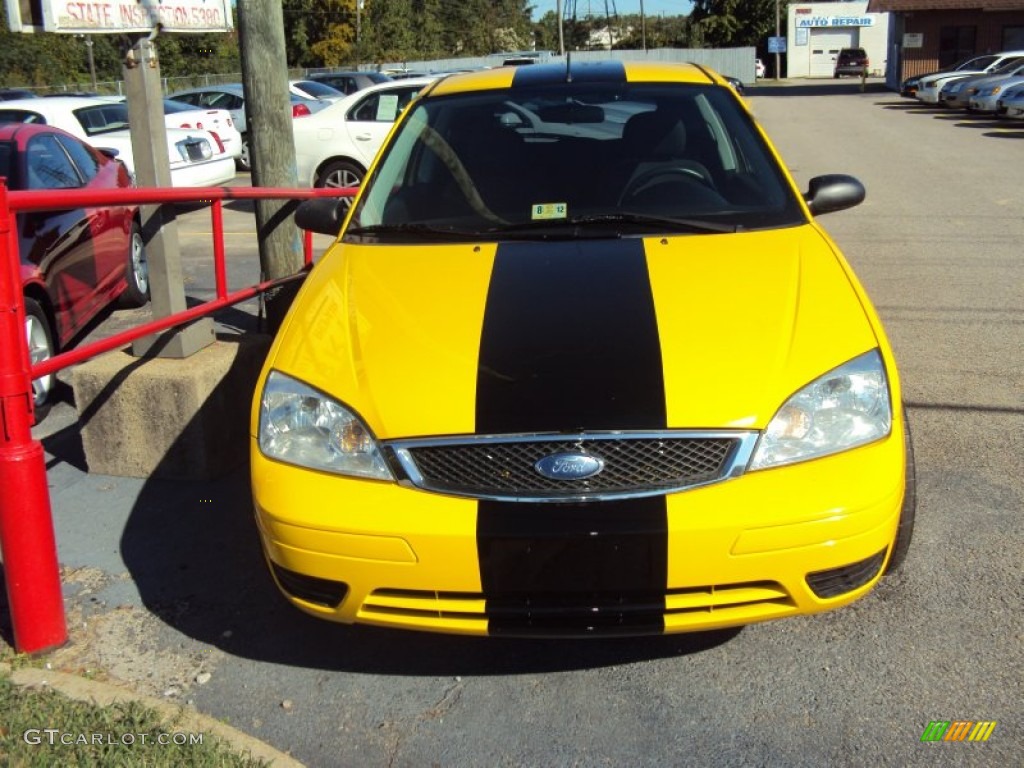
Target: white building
[{"x": 817, "y": 31}]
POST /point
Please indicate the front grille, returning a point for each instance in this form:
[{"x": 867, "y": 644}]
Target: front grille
[{"x": 504, "y": 467}]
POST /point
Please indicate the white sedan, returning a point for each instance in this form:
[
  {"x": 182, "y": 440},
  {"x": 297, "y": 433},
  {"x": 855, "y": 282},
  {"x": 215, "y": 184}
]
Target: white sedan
[
  {"x": 930, "y": 86},
  {"x": 196, "y": 158},
  {"x": 334, "y": 147}
]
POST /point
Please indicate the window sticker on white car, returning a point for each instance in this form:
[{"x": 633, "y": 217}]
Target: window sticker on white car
[
  {"x": 549, "y": 211},
  {"x": 387, "y": 107}
]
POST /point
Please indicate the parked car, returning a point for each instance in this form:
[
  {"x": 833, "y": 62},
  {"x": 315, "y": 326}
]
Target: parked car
[
  {"x": 851, "y": 61},
  {"x": 231, "y": 96},
  {"x": 983, "y": 96},
  {"x": 759, "y": 69},
  {"x": 334, "y": 147},
  {"x": 597, "y": 378},
  {"x": 311, "y": 89},
  {"x": 10, "y": 94},
  {"x": 957, "y": 93},
  {"x": 908, "y": 89},
  {"x": 196, "y": 158},
  {"x": 73, "y": 263},
  {"x": 217, "y": 122},
  {"x": 929, "y": 87},
  {"x": 349, "y": 82},
  {"x": 735, "y": 82},
  {"x": 1011, "y": 103}
]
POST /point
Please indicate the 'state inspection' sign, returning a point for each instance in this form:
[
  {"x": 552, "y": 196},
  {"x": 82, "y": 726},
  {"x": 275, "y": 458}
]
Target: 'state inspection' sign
[{"x": 118, "y": 16}]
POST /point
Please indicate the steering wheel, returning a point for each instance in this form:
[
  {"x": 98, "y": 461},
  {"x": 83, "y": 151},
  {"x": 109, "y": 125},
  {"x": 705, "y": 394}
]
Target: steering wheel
[{"x": 690, "y": 171}]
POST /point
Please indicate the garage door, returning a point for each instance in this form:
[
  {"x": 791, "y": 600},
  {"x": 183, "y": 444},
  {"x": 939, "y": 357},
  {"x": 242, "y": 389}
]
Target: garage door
[{"x": 825, "y": 45}]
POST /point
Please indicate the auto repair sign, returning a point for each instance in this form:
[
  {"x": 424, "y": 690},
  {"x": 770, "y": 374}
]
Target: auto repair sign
[{"x": 99, "y": 16}]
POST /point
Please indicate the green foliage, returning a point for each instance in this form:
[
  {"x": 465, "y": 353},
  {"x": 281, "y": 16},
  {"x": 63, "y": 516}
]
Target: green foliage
[
  {"x": 90, "y": 735},
  {"x": 723, "y": 23},
  {"x": 51, "y": 61},
  {"x": 322, "y": 33}
]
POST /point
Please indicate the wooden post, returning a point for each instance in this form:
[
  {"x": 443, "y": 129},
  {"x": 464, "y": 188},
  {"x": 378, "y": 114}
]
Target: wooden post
[{"x": 268, "y": 117}]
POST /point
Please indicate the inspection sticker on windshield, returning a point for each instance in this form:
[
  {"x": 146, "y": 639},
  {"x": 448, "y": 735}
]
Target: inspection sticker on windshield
[{"x": 548, "y": 211}]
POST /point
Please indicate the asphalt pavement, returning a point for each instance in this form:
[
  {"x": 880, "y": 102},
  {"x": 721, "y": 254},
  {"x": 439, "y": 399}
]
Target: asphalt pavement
[{"x": 168, "y": 596}]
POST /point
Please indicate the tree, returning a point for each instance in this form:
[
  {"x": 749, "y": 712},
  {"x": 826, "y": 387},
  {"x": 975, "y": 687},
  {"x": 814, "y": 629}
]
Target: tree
[{"x": 729, "y": 23}]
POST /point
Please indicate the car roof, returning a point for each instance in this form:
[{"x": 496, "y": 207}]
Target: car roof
[
  {"x": 229, "y": 87},
  {"x": 609, "y": 72}
]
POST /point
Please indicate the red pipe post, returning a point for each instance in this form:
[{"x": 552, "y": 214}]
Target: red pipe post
[{"x": 27, "y": 539}]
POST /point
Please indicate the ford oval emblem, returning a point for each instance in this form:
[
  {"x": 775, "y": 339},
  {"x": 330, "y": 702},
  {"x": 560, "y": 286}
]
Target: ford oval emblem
[{"x": 569, "y": 466}]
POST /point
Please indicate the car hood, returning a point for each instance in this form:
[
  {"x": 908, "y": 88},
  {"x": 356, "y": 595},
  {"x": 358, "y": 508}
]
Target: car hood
[
  {"x": 942, "y": 77},
  {"x": 708, "y": 331},
  {"x": 1005, "y": 81}
]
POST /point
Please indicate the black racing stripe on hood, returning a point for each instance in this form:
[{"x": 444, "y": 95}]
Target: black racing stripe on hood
[
  {"x": 579, "y": 72},
  {"x": 570, "y": 340}
]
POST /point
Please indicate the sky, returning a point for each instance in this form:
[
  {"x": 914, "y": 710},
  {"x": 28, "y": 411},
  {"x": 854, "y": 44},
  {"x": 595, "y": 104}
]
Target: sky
[{"x": 597, "y": 7}]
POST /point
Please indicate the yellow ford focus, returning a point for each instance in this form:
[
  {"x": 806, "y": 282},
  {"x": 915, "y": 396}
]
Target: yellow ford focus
[{"x": 580, "y": 363}]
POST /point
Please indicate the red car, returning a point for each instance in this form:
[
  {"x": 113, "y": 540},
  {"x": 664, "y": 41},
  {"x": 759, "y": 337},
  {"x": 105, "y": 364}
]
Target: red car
[{"x": 74, "y": 263}]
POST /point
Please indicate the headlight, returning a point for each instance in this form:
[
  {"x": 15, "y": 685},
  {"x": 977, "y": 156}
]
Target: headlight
[
  {"x": 299, "y": 425},
  {"x": 846, "y": 407}
]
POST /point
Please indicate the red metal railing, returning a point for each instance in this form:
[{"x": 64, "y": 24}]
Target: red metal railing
[{"x": 27, "y": 538}]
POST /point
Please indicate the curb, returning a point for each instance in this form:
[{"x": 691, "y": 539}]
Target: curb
[{"x": 105, "y": 694}]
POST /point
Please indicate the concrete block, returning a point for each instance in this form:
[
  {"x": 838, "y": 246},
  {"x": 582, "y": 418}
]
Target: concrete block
[{"x": 161, "y": 417}]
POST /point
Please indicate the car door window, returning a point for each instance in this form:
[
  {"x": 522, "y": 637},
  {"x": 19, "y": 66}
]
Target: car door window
[
  {"x": 88, "y": 164},
  {"x": 48, "y": 165},
  {"x": 383, "y": 107}
]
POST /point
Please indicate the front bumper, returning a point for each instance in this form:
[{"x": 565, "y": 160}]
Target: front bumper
[
  {"x": 736, "y": 552},
  {"x": 984, "y": 104}
]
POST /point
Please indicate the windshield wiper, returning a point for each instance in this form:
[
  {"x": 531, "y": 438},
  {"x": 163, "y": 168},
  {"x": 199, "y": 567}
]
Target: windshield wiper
[
  {"x": 676, "y": 224},
  {"x": 552, "y": 226},
  {"x": 411, "y": 229}
]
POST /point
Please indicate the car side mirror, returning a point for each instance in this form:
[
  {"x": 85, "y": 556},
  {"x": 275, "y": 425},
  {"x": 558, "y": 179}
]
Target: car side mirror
[
  {"x": 833, "y": 192},
  {"x": 323, "y": 215},
  {"x": 108, "y": 151}
]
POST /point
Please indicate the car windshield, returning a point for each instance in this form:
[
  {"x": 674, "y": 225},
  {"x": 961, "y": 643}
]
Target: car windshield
[
  {"x": 1009, "y": 66},
  {"x": 318, "y": 89},
  {"x": 102, "y": 118},
  {"x": 172, "y": 107},
  {"x": 554, "y": 160}
]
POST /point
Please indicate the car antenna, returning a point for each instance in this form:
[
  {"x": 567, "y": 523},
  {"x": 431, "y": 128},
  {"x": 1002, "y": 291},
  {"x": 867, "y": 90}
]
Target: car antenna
[{"x": 568, "y": 66}]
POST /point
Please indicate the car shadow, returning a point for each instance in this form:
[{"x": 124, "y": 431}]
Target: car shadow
[
  {"x": 194, "y": 554},
  {"x": 841, "y": 87},
  {"x": 192, "y": 549}
]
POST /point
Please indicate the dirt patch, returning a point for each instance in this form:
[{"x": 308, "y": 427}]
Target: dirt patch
[{"x": 127, "y": 645}]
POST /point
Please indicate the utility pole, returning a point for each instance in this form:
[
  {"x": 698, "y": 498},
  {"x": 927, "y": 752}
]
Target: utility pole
[
  {"x": 268, "y": 114},
  {"x": 561, "y": 33},
  {"x": 643, "y": 27},
  {"x": 92, "y": 63},
  {"x": 159, "y": 229},
  {"x": 778, "y": 33}
]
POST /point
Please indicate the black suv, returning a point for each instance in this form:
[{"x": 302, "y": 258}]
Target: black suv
[{"x": 851, "y": 61}]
